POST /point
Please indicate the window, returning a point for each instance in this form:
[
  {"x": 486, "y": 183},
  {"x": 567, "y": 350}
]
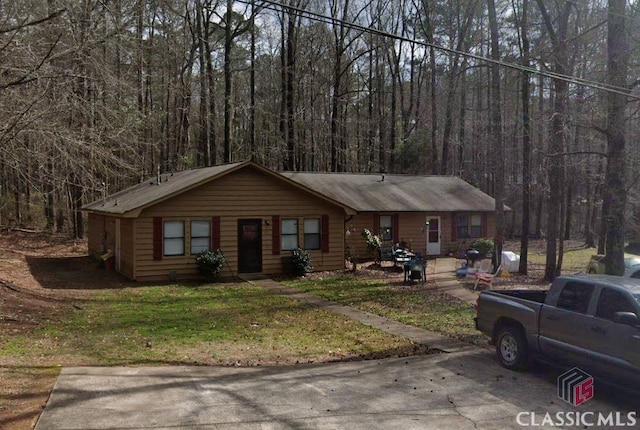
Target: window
[
  {"x": 386, "y": 227},
  {"x": 575, "y": 297},
  {"x": 468, "y": 226},
  {"x": 476, "y": 226},
  {"x": 312, "y": 233},
  {"x": 200, "y": 236},
  {"x": 462, "y": 226},
  {"x": 610, "y": 302},
  {"x": 289, "y": 239},
  {"x": 174, "y": 238}
]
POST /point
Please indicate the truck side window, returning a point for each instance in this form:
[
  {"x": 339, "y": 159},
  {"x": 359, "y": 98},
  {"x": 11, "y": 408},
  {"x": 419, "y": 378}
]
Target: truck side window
[
  {"x": 610, "y": 302},
  {"x": 575, "y": 297}
]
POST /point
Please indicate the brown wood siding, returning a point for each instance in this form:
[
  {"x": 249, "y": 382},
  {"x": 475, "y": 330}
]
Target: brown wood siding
[
  {"x": 410, "y": 229},
  {"x": 246, "y": 194},
  {"x": 356, "y": 243},
  {"x": 94, "y": 234},
  {"x": 127, "y": 259},
  {"x": 101, "y": 234}
]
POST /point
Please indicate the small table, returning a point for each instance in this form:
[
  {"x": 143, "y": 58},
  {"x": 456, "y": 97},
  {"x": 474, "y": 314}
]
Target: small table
[{"x": 404, "y": 257}]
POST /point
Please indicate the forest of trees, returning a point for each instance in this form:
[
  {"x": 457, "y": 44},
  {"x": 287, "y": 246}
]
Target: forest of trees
[{"x": 533, "y": 101}]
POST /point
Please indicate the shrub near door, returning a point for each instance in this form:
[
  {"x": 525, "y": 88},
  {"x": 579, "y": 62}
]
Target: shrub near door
[
  {"x": 301, "y": 261},
  {"x": 210, "y": 264}
]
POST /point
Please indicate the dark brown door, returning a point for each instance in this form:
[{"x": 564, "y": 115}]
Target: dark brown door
[{"x": 249, "y": 246}]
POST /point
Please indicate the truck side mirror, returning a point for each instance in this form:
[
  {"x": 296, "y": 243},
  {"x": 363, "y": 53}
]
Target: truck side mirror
[{"x": 627, "y": 318}]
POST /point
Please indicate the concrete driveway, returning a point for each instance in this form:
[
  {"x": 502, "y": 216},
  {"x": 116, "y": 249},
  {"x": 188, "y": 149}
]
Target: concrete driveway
[{"x": 463, "y": 390}]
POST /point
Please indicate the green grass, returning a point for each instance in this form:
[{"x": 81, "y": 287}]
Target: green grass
[
  {"x": 431, "y": 311},
  {"x": 573, "y": 260},
  {"x": 196, "y": 325}
]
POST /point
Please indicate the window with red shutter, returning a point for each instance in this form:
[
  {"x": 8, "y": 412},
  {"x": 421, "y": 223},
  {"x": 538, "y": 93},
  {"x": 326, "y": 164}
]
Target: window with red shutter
[
  {"x": 157, "y": 238},
  {"x": 325, "y": 233},
  {"x": 215, "y": 233},
  {"x": 376, "y": 225},
  {"x": 275, "y": 235},
  {"x": 396, "y": 227},
  {"x": 454, "y": 235}
]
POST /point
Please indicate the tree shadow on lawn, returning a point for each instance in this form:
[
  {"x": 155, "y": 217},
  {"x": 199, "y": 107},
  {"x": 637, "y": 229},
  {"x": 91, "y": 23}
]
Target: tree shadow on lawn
[
  {"x": 86, "y": 273},
  {"x": 75, "y": 273}
]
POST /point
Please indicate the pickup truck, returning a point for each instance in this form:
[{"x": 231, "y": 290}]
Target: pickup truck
[{"x": 587, "y": 321}]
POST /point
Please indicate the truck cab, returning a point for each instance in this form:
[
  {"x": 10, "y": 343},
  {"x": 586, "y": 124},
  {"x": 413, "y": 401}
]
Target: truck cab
[
  {"x": 589, "y": 321},
  {"x": 592, "y": 322}
]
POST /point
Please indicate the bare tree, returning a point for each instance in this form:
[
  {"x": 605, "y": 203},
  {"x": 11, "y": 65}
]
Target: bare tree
[
  {"x": 558, "y": 36},
  {"x": 615, "y": 196},
  {"x": 496, "y": 132},
  {"x": 525, "y": 94}
]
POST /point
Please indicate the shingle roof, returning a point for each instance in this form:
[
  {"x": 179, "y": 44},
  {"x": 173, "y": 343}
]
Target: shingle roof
[
  {"x": 359, "y": 192},
  {"x": 149, "y": 191},
  {"x": 397, "y": 193}
]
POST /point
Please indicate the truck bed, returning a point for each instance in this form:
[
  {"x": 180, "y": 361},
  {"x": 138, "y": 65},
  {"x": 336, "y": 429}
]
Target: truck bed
[{"x": 538, "y": 296}]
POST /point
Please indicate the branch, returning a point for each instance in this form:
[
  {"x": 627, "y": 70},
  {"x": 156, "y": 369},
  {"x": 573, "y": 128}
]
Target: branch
[
  {"x": 564, "y": 154},
  {"x": 27, "y": 77},
  {"x": 32, "y": 23},
  {"x": 633, "y": 183}
]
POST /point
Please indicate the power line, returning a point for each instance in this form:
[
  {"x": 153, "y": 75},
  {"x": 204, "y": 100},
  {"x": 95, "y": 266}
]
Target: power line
[{"x": 315, "y": 16}]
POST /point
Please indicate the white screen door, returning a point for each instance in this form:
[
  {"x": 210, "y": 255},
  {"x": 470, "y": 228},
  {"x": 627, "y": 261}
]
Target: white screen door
[{"x": 433, "y": 236}]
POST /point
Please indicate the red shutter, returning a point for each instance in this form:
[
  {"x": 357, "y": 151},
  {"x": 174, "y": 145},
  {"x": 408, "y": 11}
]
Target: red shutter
[
  {"x": 215, "y": 233},
  {"x": 325, "y": 233},
  {"x": 484, "y": 224},
  {"x": 376, "y": 224},
  {"x": 453, "y": 227},
  {"x": 275, "y": 235},
  {"x": 157, "y": 238},
  {"x": 395, "y": 222}
]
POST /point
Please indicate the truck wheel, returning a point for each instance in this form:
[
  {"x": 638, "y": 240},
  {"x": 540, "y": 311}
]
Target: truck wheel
[{"x": 512, "y": 348}]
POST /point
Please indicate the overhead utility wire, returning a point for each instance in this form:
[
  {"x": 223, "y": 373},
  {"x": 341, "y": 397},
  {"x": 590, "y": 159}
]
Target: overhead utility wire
[{"x": 568, "y": 78}]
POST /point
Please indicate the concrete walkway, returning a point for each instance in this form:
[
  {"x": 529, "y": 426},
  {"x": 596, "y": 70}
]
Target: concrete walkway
[{"x": 444, "y": 277}]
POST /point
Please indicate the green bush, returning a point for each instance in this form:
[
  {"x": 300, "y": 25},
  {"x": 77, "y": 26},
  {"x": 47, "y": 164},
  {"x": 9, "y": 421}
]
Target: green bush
[
  {"x": 301, "y": 261},
  {"x": 373, "y": 242},
  {"x": 210, "y": 264},
  {"x": 484, "y": 246}
]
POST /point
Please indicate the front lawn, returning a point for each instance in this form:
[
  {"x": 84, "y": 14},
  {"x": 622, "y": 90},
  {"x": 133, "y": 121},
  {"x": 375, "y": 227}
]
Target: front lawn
[
  {"x": 230, "y": 324},
  {"x": 430, "y": 310},
  {"x": 236, "y": 324}
]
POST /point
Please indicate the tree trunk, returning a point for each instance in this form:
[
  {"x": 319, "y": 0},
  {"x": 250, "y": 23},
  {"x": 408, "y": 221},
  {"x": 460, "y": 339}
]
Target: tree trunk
[
  {"x": 496, "y": 133},
  {"x": 228, "y": 43},
  {"x": 525, "y": 95},
  {"x": 434, "y": 166},
  {"x": 556, "y": 145},
  {"x": 289, "y": 96},
  {"x": 615, "y": 196}
]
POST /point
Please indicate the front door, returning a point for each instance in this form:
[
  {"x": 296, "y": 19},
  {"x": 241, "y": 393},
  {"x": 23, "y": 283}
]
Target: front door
[
  {"x": 433, "y": 235},
  {"x": 249, "y": 246}
]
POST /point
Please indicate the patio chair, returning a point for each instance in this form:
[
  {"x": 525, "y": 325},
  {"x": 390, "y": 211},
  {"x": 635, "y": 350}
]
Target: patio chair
[
  {"x": 415, "y": 269},
  {"x": 486, "y": 278}
]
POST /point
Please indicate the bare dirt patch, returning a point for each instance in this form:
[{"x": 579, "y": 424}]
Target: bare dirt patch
[{"x": 37, "y": 286}]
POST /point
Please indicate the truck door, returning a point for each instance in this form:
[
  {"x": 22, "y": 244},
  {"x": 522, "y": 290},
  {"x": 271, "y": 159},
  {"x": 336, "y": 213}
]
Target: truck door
[
  {"x": 564, "y": 331},
  {"x": 620, "y": 343}
]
